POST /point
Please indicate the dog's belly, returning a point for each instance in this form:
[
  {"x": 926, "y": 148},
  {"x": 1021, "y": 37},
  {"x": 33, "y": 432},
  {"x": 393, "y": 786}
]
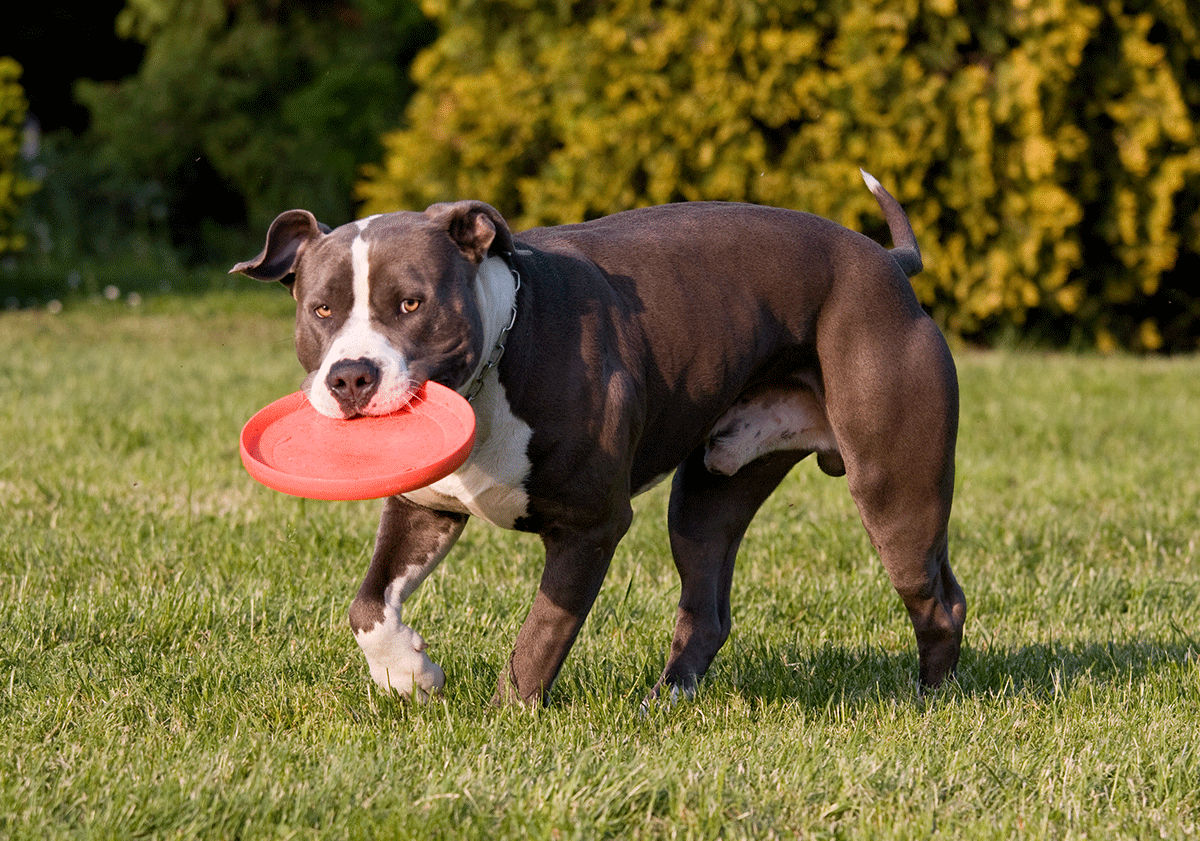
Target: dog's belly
[
  {"x": 769, "y": 420},
  {"x": 491, "y": 483}
]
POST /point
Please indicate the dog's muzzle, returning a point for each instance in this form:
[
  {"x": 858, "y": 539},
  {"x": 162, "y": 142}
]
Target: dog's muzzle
[{"x": 353, "y": 382}]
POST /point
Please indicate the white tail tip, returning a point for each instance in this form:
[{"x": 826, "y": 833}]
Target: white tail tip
[{"x": 872, "y": 182}]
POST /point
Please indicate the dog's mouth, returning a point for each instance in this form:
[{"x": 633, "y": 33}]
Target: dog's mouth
[
  {"x": 390, "y": 403},
  {"x": 353, "y": 391}
]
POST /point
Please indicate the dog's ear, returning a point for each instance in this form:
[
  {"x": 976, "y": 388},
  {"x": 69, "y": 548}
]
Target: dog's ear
[
  {"x": 477, "y": 228},
  {"x": 288, "y": 236}
]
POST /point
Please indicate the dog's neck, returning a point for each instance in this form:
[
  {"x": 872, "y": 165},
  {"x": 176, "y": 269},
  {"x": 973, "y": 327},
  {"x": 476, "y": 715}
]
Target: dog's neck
[{"x": 496, "y": 285}]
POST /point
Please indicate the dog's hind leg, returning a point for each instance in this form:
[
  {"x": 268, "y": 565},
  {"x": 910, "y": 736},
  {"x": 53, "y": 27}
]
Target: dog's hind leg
[
  {"x": 707, "y": 517},
  {"x": 899, "y": 459}
]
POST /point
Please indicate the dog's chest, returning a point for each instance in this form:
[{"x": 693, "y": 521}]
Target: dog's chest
[{"x": 491, "y": 483}]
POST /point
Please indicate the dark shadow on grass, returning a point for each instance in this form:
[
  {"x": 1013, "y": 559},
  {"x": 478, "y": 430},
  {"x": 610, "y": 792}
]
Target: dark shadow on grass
[
  {"x": 843, "y": 677},
  {"x": 854, "y": 677}
]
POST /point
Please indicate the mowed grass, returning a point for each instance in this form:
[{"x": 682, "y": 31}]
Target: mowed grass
[{"x": 175, "y": 660}]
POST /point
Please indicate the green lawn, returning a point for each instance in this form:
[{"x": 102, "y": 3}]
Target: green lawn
[{"x": 175, "y": 660}]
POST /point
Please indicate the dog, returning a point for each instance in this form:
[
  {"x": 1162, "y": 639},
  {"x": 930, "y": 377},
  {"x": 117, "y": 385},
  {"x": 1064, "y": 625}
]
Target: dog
[{"x": 718, "y": 342}]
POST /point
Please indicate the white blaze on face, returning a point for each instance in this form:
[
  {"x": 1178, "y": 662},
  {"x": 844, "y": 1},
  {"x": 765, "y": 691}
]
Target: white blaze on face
[{"x": 358, "y": 338}]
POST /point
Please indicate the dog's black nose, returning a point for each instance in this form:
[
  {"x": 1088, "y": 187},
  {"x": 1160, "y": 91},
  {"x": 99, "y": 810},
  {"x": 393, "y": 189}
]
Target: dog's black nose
[{"x": 353, "y": 382}]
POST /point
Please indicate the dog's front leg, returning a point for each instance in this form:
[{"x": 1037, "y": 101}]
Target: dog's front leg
[
  {"x": 411, "y": 541},
  {"x": 576, "y": 562}
]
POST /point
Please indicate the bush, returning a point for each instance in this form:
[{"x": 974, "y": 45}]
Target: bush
[
  {"x": 1046, "y": 152},
  {"x": 14, "y": 186}
]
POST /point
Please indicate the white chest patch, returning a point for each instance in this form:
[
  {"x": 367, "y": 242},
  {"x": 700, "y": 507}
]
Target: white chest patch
[{"x": 491, "y": 483}]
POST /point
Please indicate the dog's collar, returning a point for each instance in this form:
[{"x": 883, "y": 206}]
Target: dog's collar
[{"x": 493, "y": 359}]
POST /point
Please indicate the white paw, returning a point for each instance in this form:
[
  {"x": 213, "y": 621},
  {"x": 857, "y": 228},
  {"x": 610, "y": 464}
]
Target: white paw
[{"x": 398, "y": 662}]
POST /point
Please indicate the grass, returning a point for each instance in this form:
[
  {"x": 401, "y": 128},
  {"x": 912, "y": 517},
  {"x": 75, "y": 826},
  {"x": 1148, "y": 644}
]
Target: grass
[{"x": 175, "y": 660}]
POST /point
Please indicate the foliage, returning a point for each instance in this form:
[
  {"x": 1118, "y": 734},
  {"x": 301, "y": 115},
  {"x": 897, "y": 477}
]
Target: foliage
[
  {"x": 15, "y": 187},
  {"x": 243, "y": 109},
  {"x": 1046, "y": 152},
  {"x": 175, "y": 661}
]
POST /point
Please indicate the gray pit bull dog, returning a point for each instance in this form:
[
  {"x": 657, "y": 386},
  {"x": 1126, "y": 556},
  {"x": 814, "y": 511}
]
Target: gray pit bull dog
[{"x": 723, "y": 342}]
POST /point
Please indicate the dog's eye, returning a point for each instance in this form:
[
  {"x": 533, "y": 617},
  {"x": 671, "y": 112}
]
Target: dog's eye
[
  {"x": 323, "y": 311},
  {"x": 409, "y": 305}
]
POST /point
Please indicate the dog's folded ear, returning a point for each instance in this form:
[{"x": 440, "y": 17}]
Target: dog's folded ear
[
  {"x": 287, "y": 238},
  {"x": 476, "y": 227}
]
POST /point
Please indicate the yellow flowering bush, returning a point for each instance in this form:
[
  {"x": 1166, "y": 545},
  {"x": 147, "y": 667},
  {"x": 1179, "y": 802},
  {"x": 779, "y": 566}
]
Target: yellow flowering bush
[
  {"x": 14, "y": 188},
  {"x": 1045, "y": 150}
]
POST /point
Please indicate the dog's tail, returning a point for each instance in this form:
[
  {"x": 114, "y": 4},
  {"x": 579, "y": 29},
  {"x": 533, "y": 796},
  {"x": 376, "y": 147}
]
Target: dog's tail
[{"x": 905, "y": 251}]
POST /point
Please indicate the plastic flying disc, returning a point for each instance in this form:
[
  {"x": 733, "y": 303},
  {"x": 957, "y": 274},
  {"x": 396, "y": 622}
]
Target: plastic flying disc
[{"x": 290, "y": 447}]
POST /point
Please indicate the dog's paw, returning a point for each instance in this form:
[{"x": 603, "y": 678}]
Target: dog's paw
[
  {"x": 398, "y": 662},
  {"x": 418, "y": 678},
  {"x": 666, "y": 696}
]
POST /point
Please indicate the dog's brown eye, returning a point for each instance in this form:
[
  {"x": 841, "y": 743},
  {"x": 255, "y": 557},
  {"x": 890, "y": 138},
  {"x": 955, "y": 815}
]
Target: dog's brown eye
[
  {"x": 409, "y": 305},
  {"x": 323, "y": 311}
]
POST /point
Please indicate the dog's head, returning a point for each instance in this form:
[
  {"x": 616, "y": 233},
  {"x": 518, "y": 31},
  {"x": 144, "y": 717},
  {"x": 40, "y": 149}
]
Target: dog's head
[{"x": 386, "y": 303}]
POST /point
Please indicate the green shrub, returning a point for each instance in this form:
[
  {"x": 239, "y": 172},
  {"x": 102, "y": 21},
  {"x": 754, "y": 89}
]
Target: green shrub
[
  {"x": 1046, "y": 151},
  {"x": 244, "y": 108},
  {"x": 14, "y": 187}
]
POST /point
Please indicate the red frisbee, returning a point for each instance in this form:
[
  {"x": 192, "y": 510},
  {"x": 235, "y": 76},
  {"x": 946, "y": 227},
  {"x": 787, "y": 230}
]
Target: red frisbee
[{"x": 290, "y": 447}]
